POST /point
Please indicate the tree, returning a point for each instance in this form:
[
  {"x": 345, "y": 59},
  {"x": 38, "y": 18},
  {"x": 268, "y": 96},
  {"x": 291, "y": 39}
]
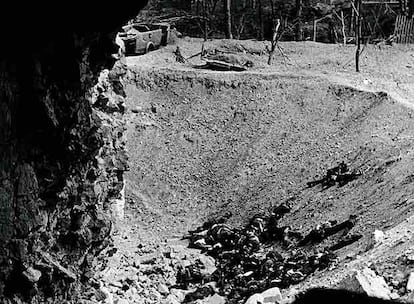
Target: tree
[
  {"x": 358, "y": 31},
  {"x": 261, "y": 23},
  {"x": 227, "y": 5},
  {"x": 299, "y": 26},
  {"x": 275, "y": 38}
]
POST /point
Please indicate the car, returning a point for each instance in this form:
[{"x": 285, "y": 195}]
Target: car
[{"x": 140, "y": 38}]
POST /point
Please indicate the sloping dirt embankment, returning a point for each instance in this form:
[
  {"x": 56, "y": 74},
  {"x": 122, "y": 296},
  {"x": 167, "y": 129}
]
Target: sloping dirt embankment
[{"x": 204, "y": 143}]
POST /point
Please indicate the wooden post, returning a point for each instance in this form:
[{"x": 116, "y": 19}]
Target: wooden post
[{"x": 314, "y": 29}]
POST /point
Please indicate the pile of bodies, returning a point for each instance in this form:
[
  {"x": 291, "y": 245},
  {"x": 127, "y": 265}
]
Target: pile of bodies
[{"x": 247, "y": 261}]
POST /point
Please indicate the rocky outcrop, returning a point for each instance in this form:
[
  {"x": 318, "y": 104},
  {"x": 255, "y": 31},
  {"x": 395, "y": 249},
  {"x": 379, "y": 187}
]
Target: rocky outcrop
[
  {"x": 367, "y": 282},
  {"x": 61, "y": 146}
]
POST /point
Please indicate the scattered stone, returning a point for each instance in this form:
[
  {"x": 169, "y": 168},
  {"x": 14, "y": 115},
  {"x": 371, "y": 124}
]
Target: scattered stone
[
  {"x": 394, "y": 296},
  {"x": 216, "y": 299},
  {"x": 163, "y": 289},
  {"x": 103, "y": 294},
  {"x": 366, "y": 281},
  {"x": 171, "y": 299},
  {"x": 131, "y": 293},
  {"x": 209, "y": 265},
  {"x": 410, "y": 283},
  {"x": 410, "y": 258},
  {"x": 32, "y": 275},
  {"x": 129, "y": 274},
  {"x": 290, "y": 296},
  {"x": 59, "y": 268},
  {"x": 272, "y": 295},
  {"x": 117, "y": 206},
  {"x": 116, "y": 284},
  {"x": 255, "y": 299},
  {"x": 148, "y": 259},
  {"x": 178, "y": 293},
  {"x": 136, "y": 109},
  {"x": 379, "y": 236},
  {"x": 154, "y": 294}
]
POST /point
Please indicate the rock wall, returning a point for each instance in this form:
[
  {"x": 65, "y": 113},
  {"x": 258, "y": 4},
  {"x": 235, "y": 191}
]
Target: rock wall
[{"x": 62, "y": 152}]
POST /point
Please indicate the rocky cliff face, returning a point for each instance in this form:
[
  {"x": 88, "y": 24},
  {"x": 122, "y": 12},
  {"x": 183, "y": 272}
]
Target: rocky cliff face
[{"x": 61, "y": 146}]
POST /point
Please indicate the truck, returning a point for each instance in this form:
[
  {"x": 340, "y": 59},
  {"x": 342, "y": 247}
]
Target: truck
[{"x": 140, "y": 38}]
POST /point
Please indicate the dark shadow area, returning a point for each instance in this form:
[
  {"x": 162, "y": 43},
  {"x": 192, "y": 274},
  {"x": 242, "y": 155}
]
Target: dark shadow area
[{"x": 337, "y": 296}]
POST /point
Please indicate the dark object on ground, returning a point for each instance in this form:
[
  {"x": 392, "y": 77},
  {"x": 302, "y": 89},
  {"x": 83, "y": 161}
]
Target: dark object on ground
[
  {"x": 211, "y": 222},
  {"x": 223, "y": 62},
  {"x": 346, "y": 240},
  {"x": 178, "y": 56},
  {"x": 227, "y": 58},
  {"x": 387, "y": 41},
  {"x": 346, "y": 226},
  {"x": 200, "y": 293},
  {"x": 216, "y": 65},
  {"x": 191, "y": 274},
  {"x": 322, "y": 231},
  {"x": 245, "y": 262},
  {"x": 281, "y": 210},
  {"x": 272, "y": 231},
  {"x": 337, "y": 175},
  {"x": 345, "y": 178},
  {"x": 322, "y": 260},
  {"x": 337, "y": 296}
]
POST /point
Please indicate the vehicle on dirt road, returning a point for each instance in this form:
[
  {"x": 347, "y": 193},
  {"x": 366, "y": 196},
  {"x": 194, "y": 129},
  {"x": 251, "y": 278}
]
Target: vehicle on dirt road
[{"x": 142, "y": 38}]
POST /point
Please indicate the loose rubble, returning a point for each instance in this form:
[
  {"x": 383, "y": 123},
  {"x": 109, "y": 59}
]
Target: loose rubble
[
  {"x": 410, "y": 283},
  {"x": 219, "y": 264}
]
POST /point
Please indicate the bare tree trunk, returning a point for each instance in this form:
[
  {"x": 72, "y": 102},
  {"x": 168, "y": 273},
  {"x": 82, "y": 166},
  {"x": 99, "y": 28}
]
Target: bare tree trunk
[
  {"x": 274, "y": 42},
  {"x": 343, "y": 26},
  {"x": 205, "y": 20},
  {"x": 314, "y": 28},
  {"x": 229, "y": 34},
  {"x": 352, "y": 23},
  {"x": 261, "y": 26},
  {"x": 358, "y": 33},
  {"x": 240, "y": 27},
  {"x": 299, "y": 27}
]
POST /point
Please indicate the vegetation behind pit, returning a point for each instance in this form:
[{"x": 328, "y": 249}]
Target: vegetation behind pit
[{"x": 255, "y": 19}]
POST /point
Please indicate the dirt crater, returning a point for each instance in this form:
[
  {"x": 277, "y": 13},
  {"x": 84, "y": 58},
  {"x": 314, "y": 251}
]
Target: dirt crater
[{"x": 201, "y": 144}]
